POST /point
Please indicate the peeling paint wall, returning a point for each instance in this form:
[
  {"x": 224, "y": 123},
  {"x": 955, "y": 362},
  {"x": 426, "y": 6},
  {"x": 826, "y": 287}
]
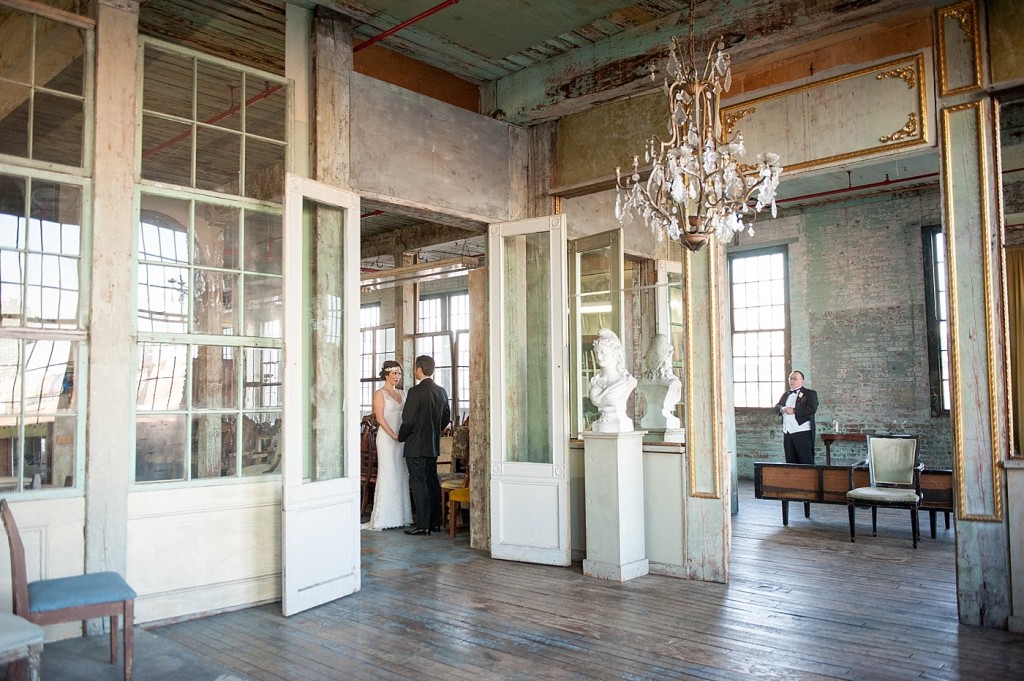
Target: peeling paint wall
[
  {"x": 427, "y": 152},
  {"x": 1005, "y": 33}
]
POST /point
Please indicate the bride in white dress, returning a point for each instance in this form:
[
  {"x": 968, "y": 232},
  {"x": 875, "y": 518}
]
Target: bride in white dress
[{"x": 392, "y": 506}]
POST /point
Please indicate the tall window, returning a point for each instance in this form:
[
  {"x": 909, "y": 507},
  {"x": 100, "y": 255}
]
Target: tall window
[
  {"x": 937, "y": 305},
  {"x": 442, "y": 326},
  {"x": 760, "y": 316},
  {"x": 209, "y": 262},
  {"x": 44, "y": 189},
  {"x": 376, "y": 345}
]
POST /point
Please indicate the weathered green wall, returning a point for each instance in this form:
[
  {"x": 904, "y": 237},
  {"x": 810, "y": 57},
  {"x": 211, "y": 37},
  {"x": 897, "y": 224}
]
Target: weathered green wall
[
  {"x": 1006, "y": 39},
  {"x": 591, "y": 144}
]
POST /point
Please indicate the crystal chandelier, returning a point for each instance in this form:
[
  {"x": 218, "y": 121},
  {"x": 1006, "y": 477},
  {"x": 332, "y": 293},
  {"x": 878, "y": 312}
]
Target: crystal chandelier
[{"x": 697, "y": 186}]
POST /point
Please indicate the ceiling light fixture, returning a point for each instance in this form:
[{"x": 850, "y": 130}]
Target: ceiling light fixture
[{"x": 697, "y": 186}]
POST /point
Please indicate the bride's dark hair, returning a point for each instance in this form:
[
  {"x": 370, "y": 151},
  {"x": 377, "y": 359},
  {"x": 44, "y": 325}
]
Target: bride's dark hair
[{"x": 386, "y": 368}]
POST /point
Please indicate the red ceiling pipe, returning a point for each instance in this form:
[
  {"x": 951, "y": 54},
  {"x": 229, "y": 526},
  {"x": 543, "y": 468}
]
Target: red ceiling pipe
[
  {"x": 407, "y": 22},
  {"x": 870, "y": 185}
]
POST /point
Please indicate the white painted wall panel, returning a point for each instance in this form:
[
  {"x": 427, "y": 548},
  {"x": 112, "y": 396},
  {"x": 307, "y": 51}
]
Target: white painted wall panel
[{"x": 204, "y": 548}]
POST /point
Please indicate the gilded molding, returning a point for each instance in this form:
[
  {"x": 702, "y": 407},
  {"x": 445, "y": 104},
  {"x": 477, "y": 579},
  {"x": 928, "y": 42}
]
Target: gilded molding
[
  {"x": 908, "y": 130},
  {"x": 959, "y": 456},
  {"x": 734, "y": 117},
  {"x": 713, "y": 254},
  {"x": 901, "y": 68},
  {"x": 965, "y": 14},
  {"x": 907, "y": 73}
]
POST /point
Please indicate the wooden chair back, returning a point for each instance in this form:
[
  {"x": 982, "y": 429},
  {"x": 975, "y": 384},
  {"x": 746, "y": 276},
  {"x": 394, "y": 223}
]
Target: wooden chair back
[
  {"x": 893, "y": 460},
  {"x": 19, "y": 574}
]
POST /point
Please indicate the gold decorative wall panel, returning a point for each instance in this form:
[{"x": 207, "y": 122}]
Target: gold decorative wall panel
[
  {"x": 704, "y": 442},
  {"x": 977, "y": 417},
  {"x": 858, "y": 115},
  {"x": 959, "y": 49}
]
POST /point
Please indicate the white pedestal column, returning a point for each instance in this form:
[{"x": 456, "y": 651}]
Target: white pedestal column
[
  {"x": 666, "y": 435},
  {"x": 614, "y": 475}
]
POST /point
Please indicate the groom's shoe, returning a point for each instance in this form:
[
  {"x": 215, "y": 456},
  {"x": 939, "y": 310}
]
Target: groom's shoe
[
  {"x": 417, "y": 531},
  {"x": 436, "y": 529}
]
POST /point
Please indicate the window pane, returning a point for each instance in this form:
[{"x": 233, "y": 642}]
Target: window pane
[
  {"x": 266, "y": 108},
  {"x": 162, "y": 91},
  {"x": 14, "y": 125},
  {"x": 213, "y": 445},
  {"x": 166, "y": 150},
  {"x": 162, "y": 372},
  {"x": 159, "y": 447},
  {"x": 259, "y": 443},
  {"x": 58, "y": 129},
  {"x": 264, "y": 169},
  {"x": 212, "y": 298},
  {"x": 263, "y": 238},
  {"x": 162, "y": 299},
  {"x": 217, "y": 236},
  {"x": 214, "y": 381},
  {"x": 218, "y": 95},
  {"x": 263, "y": 369},
  {"x": 759, "y": 326},
  {"x": 218, "y": 160}
]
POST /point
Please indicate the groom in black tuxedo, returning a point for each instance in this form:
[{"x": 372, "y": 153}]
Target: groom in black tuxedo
[
  {"x": 797, "y": 406},
  {"x": 427, "y": 412}
]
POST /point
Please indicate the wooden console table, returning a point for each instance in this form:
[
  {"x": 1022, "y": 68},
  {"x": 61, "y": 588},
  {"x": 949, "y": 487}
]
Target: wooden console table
[{"x": 829, "y": 438}]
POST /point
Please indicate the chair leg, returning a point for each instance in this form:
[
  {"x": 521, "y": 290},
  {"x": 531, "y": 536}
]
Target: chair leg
[
  {"x": 453, "y": 509},
  {"x": 35, "y": 653},
  {"x": 129, "y": 638},
  {"x": 853, "y": 530},
  {"x": 113, "y": 639},
  {"x": 931, "y": 522},
  {"x": 874, "y": 521},
  {"x": 16, "y": 670},
  {"x": 914, "y": 524}
]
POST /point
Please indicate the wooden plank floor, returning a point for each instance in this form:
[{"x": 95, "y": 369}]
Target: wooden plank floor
[{"x": 802, "y": 603}]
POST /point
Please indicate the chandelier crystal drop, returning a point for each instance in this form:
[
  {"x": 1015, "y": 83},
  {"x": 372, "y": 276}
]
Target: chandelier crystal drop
[{"x": 697, "y": 185}]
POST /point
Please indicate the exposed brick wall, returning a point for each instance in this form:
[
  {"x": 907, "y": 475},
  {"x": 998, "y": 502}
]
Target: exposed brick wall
[{"x": 858, "y": 324}]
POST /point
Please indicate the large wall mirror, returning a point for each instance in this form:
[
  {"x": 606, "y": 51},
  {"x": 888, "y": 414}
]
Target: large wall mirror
[{"x": 1012, "y": 143}]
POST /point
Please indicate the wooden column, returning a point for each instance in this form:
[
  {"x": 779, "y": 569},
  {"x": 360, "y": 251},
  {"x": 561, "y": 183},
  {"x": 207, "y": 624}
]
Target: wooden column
[
  {"x": 479, "y": 410},
  {"x": 706, "y": 502},
  {"x": 111, "y": 391},
  {"x": 332, "y": 70},
  {"x": 970, "y": 190}
]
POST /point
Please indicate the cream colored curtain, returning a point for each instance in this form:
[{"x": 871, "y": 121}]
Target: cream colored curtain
[{"x": 1015, "y": 304}]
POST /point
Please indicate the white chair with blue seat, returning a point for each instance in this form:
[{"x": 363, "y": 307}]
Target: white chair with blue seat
[
  {"x": 70, "y": 599},
  {"x": 20, "y": 640}
]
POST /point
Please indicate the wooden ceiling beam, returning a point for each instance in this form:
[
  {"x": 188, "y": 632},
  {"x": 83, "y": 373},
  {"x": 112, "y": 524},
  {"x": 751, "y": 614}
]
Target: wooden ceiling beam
[
  {"x": 411, "y": 239},
  {"x": 621, "y": 65}
]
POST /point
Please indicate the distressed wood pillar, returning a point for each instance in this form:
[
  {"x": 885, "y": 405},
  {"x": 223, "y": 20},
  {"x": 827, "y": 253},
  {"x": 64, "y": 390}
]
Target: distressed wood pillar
[
  {"x": 111, "y": 391},
  {"x": 332, "y": 71},
  {"x": 706, "y": 501},
  {"x": 479, "y": 410},
  {"x": 970, "y": 192},
  {"x": 406, "y": 297}
]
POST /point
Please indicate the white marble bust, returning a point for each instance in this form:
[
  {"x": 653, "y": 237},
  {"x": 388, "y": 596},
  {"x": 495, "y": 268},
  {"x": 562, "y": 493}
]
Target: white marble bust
[
  {"x": 612, "y": 386},
  {"x": 659, "y": 386}
]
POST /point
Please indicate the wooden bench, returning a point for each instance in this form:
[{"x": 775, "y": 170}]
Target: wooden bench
[{"x": 824, "y": 484}]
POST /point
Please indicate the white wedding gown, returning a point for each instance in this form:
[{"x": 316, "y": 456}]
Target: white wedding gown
[{"x": 392, "y": 506}]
